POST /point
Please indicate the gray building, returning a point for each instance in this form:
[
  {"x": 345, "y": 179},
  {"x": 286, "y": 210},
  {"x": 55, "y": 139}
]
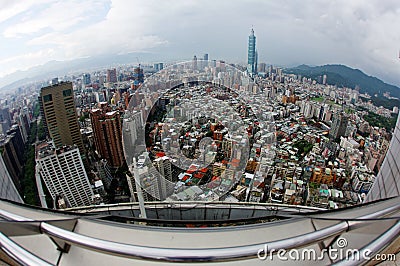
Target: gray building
[
  {"x": 339, "y": 125},
  {"x": 7, "y": 188}
]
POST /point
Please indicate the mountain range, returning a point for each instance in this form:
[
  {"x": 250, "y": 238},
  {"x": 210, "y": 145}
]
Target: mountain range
[
  {"x": 344, "y": 76},
  {"x": 61, "y": 68}
]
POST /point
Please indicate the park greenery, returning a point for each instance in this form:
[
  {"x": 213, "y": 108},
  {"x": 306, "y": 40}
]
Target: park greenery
[
  {"x": 28, "y": 180},
  {"x": 376, "y": 120},
  {"x": 317, "y": 99},
  {"x": 303, "y": 147}
]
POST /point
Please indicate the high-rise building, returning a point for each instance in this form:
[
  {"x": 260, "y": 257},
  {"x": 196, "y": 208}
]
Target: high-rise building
[
  {"x": 252, "y": 55},
  {"x": 24, "y": 125},
  {"x": 262, "y": 67},
  {"x": 60, "y": 118},
  {"x": 107, "y": 130},
  {"x": 5, "y": 114},
  {"x": 158, "y": 66},
  {"x": 7, "y": 186},
  {"x": 5, "y": 120},
  {"x": 12, "y": 151},
  {"x": 16, "y": 138},
  {"x": 324, "y": 78},
  {"x": 63, "y": 173},
  {"x": 86, "y": 79},
  {"x": 204, "y": 63},
  {"x": 111, "y": 75},
  {"x": 138, "y": 76},
  {"x": 339, "y": 125},
  {"x": 4, "y": 126},
  {"x": 194, "y": 62},
  {"x": 54, "y": 81},
  {"x": 163, "y": 166},
  {"x": 104, "y": 172},
  {"x": 387, "y": 183}
]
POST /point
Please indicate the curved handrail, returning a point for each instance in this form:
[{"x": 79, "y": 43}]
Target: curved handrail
[
  {"x": 202, "y": 254},
  {"x": 373, "y": 248},
  {"x": 188, "y": 255},
  {"x": 19, "y": 254},
  {"x": 205, "y": 204}
]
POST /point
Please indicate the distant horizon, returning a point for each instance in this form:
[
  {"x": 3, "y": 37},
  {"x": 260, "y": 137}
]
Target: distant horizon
[{"x": 70, "y": 63}]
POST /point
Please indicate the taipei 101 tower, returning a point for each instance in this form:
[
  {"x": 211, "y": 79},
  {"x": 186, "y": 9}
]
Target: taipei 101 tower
[{"x": 252, "y": 55}]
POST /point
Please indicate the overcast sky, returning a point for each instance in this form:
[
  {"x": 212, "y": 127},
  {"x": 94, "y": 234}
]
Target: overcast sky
[{"x": 358, "y": 33}]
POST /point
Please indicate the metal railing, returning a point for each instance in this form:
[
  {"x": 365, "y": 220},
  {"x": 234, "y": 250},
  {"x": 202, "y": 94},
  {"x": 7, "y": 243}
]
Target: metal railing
[
  {"x": 23, "y": 256},
  {"x": 19, "y": 254}
]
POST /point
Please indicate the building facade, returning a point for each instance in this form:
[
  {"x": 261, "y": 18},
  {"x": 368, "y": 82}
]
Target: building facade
[
  {"x": 387, "y": 183},
  {"x": 60, "y": 118},
  {"x": 12, "y": 153},
  {"x": 86, "y": 79},
  {"x": 252, "y": 54},
  {"x": 63, "y": 173},
  {"x": 5, "y": 120},
  {"x": 339, "y": 125},
  {"x": 7, "y": 187},
  {"x": 111, "y": 75},
  {"x": 163, "y": 165},
  {"x": 107, "y": 130}
]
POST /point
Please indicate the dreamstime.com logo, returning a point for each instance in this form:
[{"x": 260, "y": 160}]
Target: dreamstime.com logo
[{"x": 308, "y": 254}]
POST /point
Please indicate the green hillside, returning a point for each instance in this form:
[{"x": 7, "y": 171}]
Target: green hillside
[{"x": 341, "y": 75}]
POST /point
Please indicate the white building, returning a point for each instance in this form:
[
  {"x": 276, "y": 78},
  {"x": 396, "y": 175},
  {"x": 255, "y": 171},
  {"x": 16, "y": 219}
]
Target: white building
[
  {"x": 362, "y": 179},
  {"x": 163, "y": 166},
  {"x": 63, "y": 173}
]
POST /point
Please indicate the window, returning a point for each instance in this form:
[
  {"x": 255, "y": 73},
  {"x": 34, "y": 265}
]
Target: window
[
  {"x": 48, "y": 98},
  {"x": 67, "y": 92}
]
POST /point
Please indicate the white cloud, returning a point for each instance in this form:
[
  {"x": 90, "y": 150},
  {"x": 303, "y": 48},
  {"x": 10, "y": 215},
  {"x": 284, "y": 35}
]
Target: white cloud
[
  {"x": 25, "y": 61},
  {"x": 357, "y": 33},
  {"x": 58, "y": 16},
  {"x": 126, "y": 28},
  {"x": 9, "y": 9}
]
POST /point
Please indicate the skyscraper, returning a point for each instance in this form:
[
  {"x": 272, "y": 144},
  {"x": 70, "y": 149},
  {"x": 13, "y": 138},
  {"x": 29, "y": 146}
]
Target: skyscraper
[
  {"x": 339, "y": 125},
  {"x": 262, "y": 67},
  {"x": 12, "y": 153},
  {"x": 111, "y": 75},
  {"x": 63, "y": 173},
  {"x": 7, "y": 186},
  {"x": 194, "y": 62},
  {"x": 86, "y": 79},
  {"x": 60, "y": 118},
  {"x": 24, "y": 125},
  {"x": 163, "y": 166},
  {"x": 5, "y": 120},
  {"x": 158, "y": 66},
  {"x": 138, "y": 75},
  {"x": 252, "y": 55},
  {"x": 387, "y": 183},
  {"x": 205, "y": 61},
  {"x": 107, "y": 130}
]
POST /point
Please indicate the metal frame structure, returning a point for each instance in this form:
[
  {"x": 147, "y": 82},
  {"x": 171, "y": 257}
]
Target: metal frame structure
[{"x": 29, "y": 233}]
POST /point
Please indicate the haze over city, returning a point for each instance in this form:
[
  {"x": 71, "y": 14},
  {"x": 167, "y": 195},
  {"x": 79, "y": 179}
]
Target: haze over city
[{"x": 358, "y": 34}]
